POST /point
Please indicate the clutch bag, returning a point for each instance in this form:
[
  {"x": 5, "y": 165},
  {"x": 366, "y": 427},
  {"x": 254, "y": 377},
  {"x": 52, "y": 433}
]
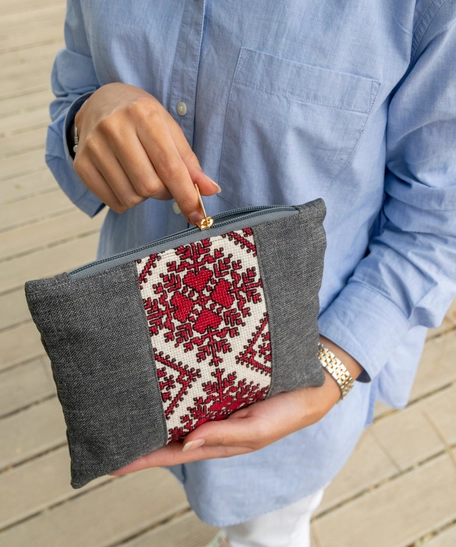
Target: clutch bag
[{"x": 149, "y": 344}]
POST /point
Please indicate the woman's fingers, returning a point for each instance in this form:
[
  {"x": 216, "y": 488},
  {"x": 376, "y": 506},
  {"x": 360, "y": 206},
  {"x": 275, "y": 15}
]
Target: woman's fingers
[
  {"x": 112, "y": 170},
  {"x": 230, "y": 437},
  {"x": 173, "y": 454},
  {"x": 248, "y": 433},
  {"x": 140, "y": 151},
  {"x": 98, "y": 184},
  {"x": 138, "y": 171},
  {"x": 160, "y": 145}
]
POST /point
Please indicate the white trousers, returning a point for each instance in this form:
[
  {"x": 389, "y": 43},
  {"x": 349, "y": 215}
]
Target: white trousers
[{"x": 287, "y": 527}]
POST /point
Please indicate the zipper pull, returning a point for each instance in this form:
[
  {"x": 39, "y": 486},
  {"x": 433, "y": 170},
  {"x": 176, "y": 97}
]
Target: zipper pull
[{"x": 207, "y": 221}]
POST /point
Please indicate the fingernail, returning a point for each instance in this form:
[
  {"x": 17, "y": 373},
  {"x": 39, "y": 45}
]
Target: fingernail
[
  {"x": 193, "y": 444},
  {"x": 215, "y": 184},
  {"x": 194, "y": 217}
]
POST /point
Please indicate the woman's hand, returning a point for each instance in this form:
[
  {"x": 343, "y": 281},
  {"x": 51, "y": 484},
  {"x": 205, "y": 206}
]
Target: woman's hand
[
  {"x": 253, "y": 427},
  {"x": 130, "y": 149}
]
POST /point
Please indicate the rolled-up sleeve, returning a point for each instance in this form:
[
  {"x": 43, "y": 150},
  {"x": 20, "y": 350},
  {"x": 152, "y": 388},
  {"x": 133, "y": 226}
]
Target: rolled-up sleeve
[
  {"x": 408, "y": 278},
  {"x": 73, "y": 80}
]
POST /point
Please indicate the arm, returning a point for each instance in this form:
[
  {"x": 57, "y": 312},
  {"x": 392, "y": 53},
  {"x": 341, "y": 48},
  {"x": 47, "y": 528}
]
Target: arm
[
  {"x": 73, "y": 80},
  {"x": 408, "y": 278},
  {"x": 130, "y": 148}
]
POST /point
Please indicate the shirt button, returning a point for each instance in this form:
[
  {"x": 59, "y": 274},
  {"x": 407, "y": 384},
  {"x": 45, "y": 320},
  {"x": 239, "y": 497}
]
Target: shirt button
[
  {"x": 181, "y": 108},
  {"x": 176, "y": 208}
]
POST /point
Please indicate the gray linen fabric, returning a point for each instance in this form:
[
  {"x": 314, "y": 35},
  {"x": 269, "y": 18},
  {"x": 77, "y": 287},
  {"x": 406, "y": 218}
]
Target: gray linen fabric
[
  {"x": 95, "y": 332},
  {"x": 290, "y": 255}
]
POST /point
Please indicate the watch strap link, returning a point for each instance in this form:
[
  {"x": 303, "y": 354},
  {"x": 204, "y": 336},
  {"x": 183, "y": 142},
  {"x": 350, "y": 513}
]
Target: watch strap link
[{"x": 337, "y": 369}]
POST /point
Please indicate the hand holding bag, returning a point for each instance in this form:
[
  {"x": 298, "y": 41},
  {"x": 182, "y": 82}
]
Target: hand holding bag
[{"x": 147, "y": 345}]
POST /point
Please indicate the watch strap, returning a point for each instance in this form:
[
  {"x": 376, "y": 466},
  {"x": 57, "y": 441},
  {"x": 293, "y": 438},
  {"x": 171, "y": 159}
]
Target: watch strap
[{"x": 337, "y": 369}]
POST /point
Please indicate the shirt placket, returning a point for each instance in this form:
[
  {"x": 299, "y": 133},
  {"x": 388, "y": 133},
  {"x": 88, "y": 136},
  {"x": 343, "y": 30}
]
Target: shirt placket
[{"x": 185, "y": 68}]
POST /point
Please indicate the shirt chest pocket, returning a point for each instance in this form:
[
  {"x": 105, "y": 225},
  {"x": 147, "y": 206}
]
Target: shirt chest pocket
[{"x": 290, "y": 129}]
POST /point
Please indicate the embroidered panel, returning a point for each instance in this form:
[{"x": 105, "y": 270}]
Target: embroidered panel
[{"x": 208, "y": 324}]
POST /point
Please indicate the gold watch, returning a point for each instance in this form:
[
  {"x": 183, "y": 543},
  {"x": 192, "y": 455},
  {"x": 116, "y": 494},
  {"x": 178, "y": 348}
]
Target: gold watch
[{"x": 337, "y": 369}]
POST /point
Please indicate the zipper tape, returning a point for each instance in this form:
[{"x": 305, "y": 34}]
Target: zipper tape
[{"x": 227, "y": 221}]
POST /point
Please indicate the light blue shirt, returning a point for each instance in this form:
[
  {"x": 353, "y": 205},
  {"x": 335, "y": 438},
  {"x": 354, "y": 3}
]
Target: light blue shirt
[{"x": 354, "y": 102}]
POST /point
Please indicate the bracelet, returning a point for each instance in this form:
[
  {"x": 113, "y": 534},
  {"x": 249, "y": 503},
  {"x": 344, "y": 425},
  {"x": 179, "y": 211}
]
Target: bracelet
[
  {"x": 337, "y": 369},
  {"x": 75, "y": 138}
]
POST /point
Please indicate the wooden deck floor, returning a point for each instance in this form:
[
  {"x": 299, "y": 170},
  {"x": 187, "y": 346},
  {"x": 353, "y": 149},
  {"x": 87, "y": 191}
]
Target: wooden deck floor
[{"x": 398, "y": 489}]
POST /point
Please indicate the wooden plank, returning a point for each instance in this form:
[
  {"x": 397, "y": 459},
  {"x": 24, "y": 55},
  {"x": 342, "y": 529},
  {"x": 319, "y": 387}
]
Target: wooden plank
[
  {"x": 186, "y": 530},
  {"x": 22, "y": 60},
  {"x": 10, "y": 22},
  {"x": 447, "y": 538},
  {"x": 27, "y": 185},
  {"x": 397, "y": 513},
  {"x": 25, "y": 104},
  {"x": 47, "y": 263},
  {"x": 51, "y": 231},
  {"x": 18, "y": 7},
  {"x": 34, "y": 208},
  {"x": 445, "y": 327},
  {"x": 20, "y": 122},
  {"x": 47, "y": 19},
  {"x": 19, "y": 344},
  {"x": 13, "y": 310},
  {"x": 26, "y": 68},
  {"x": 394, "y": 444},
  {"x": 30, "y": 488},
  {"x": 24, "y": 385},
  {"x": 448, "y": 323},
  {"x": 451, "y": 313},
  {"x": 382, "y": 409},
  {"x": 437, "y": 365},
  {"x": 409, "y": 437},
  {"x": 22, "y": 86},
  {"x": 33, "y": 431},
  {"x": 104, "y": 516},
  {"x": 367, "y": 465},
  {"x": 15, "y": 166},
  {"x": 13, "y": 145},
  {"x": 34, "y": 37},
  {"x": 441, "y": 409}
]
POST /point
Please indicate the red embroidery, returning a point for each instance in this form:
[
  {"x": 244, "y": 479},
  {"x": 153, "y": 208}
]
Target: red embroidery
[
  {"x": 222, "y": 396},
  {"x": 147, "y": 268},
  {"x": 204, "y": 303},
  {"x": 257, "y": 353}
]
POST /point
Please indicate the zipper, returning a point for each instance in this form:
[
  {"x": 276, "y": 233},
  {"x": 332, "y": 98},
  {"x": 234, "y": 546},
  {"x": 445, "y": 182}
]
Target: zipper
[{"x": 220, "y": 219}]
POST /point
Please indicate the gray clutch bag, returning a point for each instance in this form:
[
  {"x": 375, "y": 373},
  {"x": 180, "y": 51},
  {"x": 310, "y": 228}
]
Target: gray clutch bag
[{"x": 147, "y": 345}]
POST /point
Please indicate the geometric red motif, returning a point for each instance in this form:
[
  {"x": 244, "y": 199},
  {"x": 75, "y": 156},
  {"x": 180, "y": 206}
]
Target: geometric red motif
[{"x": 204, "y": 303}]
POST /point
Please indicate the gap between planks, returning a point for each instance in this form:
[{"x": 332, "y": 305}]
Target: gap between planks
[
  {"x": 47, "y": 233},
  {"x": 98, "y": 519},
  {"x": 397, "y": 513}
]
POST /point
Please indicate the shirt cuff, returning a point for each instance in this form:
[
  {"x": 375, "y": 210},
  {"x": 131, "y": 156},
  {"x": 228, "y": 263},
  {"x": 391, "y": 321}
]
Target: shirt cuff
[
  {"x": 60, "y": 162},
  {"x": 365, "y": 324}
]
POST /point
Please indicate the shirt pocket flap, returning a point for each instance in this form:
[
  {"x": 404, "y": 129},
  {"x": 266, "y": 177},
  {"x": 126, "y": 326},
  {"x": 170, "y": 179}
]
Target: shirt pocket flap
[
  {"x": 305, "y": 83},
  {"x": 290, "y": 129}
]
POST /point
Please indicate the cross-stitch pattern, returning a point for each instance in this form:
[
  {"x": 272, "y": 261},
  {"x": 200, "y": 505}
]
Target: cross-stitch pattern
[{"x": 208, "y": 325}]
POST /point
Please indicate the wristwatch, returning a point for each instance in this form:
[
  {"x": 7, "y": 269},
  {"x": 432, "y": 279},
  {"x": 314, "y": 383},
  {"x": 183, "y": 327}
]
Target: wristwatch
[{"x": 337, "y": 369}]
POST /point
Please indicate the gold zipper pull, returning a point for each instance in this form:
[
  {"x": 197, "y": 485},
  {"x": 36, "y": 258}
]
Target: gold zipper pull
[{"x": 207, "y": 221}]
